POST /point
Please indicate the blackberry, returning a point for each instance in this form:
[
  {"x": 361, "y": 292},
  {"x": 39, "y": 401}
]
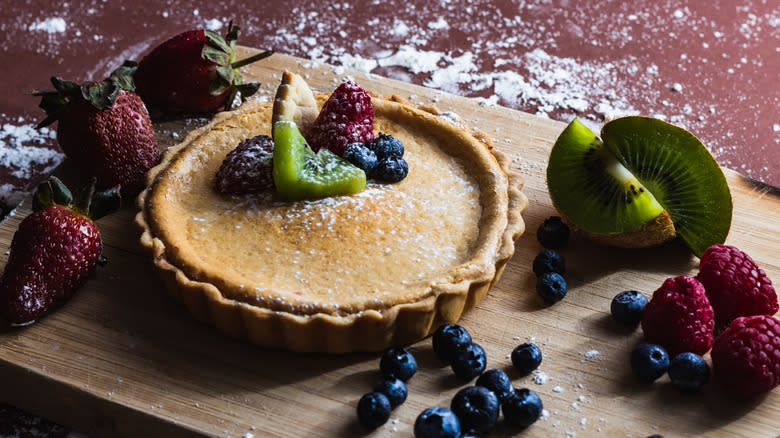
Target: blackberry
[
  {"x": 385, "y": 145},
  {"x": 553, "y": 233},
  {"x": 688, "y": 371},
  {"x": 437, "y": 422},
  {"x": 627, "y": 307},
  {"x": 649, "y": 362},
  {"x": 446, "y": 340},
  {"x": 391, "y": 169},
  {"x": 551, "y": 287},
  {"x": 373, "y": 410},
  {"x": 361, "y": 156},
  {"x": 469, "y": 361},
  {"x": 522, "y": 409},
  {"x": 399, "y": 363},
  {"x": 477, "y": 408},
  {"x": 526, "y": 357},
  {"x": 549, "y": 260},
  {"x": 394, "y": 389},
  {"x": 497, "y": 381}
]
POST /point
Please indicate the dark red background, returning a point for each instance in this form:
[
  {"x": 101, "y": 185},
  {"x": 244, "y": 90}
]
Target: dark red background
[{"x": 711, "y": 66}]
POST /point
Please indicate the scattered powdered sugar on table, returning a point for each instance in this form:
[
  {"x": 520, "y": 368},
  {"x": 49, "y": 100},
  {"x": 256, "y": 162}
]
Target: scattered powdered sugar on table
[
  {"x": 25, "y": 151},
  {"x": 49, "y": 25}
]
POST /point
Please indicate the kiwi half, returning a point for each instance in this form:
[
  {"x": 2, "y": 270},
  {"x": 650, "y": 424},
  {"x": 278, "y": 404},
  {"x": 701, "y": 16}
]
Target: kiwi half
[{"x": 641, "y": 173}]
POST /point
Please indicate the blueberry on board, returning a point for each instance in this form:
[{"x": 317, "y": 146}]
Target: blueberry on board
[
  {"x": 361, "y": 156},
  {"x": 553, "y": 233},
  {"x": 385, "y": 145},
  {"x": 446, "y": 340},
  {"x": 437, "y": 422},
  {"x": 399, "y": 363},
  {"x": 688, "y": 371},
  {"x": 477, "y": 408},
  {"x": 549, "y": 260},
  {"x": 649, "y": 361},
  {"x": 394, "y": 389},
  {"x": 391, "y": 169},
  {"x": 497, "y": 381},
  {"x": 627, "y": 307},
  {"x": 373, "y": 409},
  {"x": 526, "y": 357},
  {"x": 551, "y": 287},
  {"x": 523, "y": 408},
  {"x": 469, "y": 361}
]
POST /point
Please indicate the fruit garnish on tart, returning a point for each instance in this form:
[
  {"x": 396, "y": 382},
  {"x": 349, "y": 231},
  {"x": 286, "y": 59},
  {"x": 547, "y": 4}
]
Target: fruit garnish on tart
[{"x": 643, "y": 182}]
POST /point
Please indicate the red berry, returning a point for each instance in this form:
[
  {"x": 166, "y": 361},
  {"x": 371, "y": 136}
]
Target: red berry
[
  {"x": 347, "y": 117},
  {"x": 735, "y": 285},
  {"x": 52, "y": 254},
  {"x": 248, "y": 168},
  {"x": 746, "y": 356},
  {"x": 679, "y": 317}
]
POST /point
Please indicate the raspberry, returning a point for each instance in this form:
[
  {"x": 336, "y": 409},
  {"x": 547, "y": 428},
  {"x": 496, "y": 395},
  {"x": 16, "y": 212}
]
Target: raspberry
[
  {"x": 248, "y": 168},
  {"x": 347, "y": 117},
  {"x": 679, "y": 317},
  {"x": 746, "y": 356},
  {"x": 735, "y": 285}
]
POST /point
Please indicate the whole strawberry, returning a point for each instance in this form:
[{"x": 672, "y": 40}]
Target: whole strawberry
[
  {"x": 347, "y": 117},
  {"x": 679, "y": 317},
  {"x": 53, "y": 252},
  {"x": 735, "y": 285},
  {"x": 103, "y": 128},
  {"x": 194, "y": 71},
  {"x": 248, "y": 168},
  {"x": 746, "y": 356}
]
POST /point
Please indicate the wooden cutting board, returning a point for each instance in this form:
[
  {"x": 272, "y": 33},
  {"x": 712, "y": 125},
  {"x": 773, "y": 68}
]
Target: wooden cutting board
[{"x": 123, "y": 359}]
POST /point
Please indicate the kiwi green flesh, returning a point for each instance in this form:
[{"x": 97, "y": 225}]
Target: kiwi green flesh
[
  {"x": 300, "y": 173},
  {"x": 680, "y": 172},
  {"x": 662, "y": 160}
]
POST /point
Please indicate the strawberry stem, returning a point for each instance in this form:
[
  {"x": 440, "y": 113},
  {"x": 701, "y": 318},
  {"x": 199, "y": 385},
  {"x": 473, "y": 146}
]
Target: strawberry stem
[{"x": 242, "y": 62}]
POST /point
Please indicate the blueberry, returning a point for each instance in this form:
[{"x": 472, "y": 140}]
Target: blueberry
[
  {"x": 437, "y": 422},
  {"x": 688, "y": 371},
  {"x": 476, "y": 407},
  {"x": 399, "y": 363},
  {"x": 361, "y": 156},
  {"x": 551, "y": 287},
  {"x": 526, "y": 357},
  {"x": 394, "y": 389},
  {"x": 373, "y": 409},
  {"x": 385, "y": 145},
  {"x": 649, "y": 361},
  {"x": 469, "y": 361},
  {"x": 549, "y": 260},
  {"x": 522, "y": 409},
  {"x": 447, "y": 338},
  {"x": 627, "y": 307},
  {"x": 497, "y": 381},
  {"x": 553, "y": 233},
  {"x": 391, "y": 169}
]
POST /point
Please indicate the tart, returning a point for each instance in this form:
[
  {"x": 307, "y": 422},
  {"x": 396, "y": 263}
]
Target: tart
[{"x": 360, "y": 272}]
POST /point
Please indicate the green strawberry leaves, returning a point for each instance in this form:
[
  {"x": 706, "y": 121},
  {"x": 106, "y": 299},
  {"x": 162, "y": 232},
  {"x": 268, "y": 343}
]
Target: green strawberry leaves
[
  {"x": 101, "y": 95},
  {"x": 91, "y": 203}
]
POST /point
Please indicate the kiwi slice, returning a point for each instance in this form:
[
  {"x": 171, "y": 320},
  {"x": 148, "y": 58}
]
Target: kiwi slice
[
  {"x": 300, "y": 173},
  {"x": 640, "y": 172}
]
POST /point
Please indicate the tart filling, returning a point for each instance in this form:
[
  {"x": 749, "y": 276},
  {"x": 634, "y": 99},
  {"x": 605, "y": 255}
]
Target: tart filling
[{"x": 354, "y": 272}]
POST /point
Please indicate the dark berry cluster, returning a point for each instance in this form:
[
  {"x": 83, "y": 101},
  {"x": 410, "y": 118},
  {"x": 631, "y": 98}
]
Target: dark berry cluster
[
  {"x": 397, "y": 366},
  {"x": 549, "y": 266},
  {"x": 381, "y": 158},
  {"x": 475, "y": 410},
  {"x": 687, "y": 371}
]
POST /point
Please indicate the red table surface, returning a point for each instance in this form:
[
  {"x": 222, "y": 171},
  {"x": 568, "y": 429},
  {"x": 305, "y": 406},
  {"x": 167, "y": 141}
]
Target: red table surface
[{"x": 710, "y": 66}]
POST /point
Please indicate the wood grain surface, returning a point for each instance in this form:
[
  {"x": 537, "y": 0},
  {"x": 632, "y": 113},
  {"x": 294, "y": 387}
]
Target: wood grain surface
[{"x": 123, "y": 359}]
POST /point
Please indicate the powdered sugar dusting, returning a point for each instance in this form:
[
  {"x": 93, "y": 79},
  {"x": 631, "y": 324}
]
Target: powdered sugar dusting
[{"x": 25, "y": 151}]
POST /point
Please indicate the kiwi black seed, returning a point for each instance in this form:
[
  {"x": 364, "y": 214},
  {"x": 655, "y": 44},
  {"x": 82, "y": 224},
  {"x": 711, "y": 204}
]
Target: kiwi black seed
[{"x": 640, "y": 167}]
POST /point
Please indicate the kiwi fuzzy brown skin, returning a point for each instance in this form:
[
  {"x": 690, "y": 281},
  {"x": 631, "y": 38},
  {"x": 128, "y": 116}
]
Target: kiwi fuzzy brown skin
[{"x": 643, "y": 182}]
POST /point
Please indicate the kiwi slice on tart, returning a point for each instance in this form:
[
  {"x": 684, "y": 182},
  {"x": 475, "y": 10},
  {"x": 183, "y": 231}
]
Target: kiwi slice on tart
[
  {"x": 301, "y": 173},
  {"x": 644, "y": 182}
]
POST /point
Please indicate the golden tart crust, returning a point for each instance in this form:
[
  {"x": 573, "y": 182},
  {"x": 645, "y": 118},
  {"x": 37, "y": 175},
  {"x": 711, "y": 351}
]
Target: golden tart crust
[{"x": 361, "y": 272}]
